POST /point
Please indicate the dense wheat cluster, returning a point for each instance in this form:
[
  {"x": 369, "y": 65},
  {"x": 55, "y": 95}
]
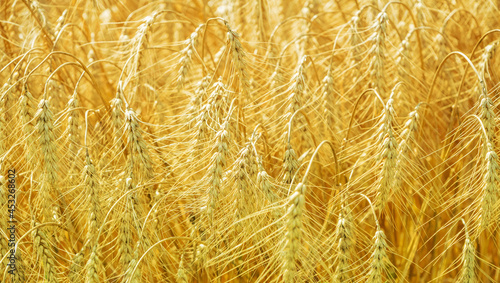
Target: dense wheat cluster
[{"x": 249, "y": 141}]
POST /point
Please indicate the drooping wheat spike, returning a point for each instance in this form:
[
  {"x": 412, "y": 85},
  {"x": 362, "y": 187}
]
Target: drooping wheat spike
[
  {"x": 344, "y": 238},
  {"x": 45, "y": 129},
  {"x": 490, "y": 191},
  {"x": 489, "y": 52},
  {"x": 402, "y": 59},
  {"x": 186, "y": 57},
  {"x": 131, "y": 275},
  {"x": 356, "y": 52},
  {"x": 245, "y": 176},
  {"x": 406, "y": 146},
  {"x": 468, "y": 272},
  {"x": 93, "y": 200},
  {"x": 378, "y": 52},
  {"x": 140, "y": 165},
  {"x": 239, "y": 60},
  {"x": 73, "y": 124},
  {"x": 298, "y": 87},
  {"x": 181, "y": 276},
  {"x": 218, "y": 100},
  {"x": 60, "y": 22},
  {"x": 290, "y": 164},
  {"x": 76, "y": 267},
  {"x": 44, "y": 255},
  {"x": 140, "y": 43},
  {"x": 264, "y": 182},
  {"x": 27, "y": 113},
  {"x": 293, "y": 232},
  {"x": 219, "y": 159},
  {"x": 486, "y": 112},
  {"x": 117, "y": 117},
  {"x": 201, "y": 256},
  {"x": 47, "y": 142},
  {"x": 200, "y": 96},
  {"x": 20, "y": 272},
  {"x": 125, "y": 238},
  {"x": 202, "y": 126},
  {"x": 40, "y": 15},
  {"x": 125, "y": 231},
  {"x": 355, "y": 40},
  {"x": 488, "y": 116},
  {"x": 387, "y": 155},
  {"x": 309, "y": 10},
  {"x": 379, "y": 259},
  {"x": 94, "y": 266}
]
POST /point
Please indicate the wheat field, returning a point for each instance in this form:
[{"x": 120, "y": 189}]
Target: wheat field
[{"x": 249, "y": 141}]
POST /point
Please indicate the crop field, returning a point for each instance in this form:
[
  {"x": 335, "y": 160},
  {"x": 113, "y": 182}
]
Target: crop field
[{"x": 249, "y": 141}]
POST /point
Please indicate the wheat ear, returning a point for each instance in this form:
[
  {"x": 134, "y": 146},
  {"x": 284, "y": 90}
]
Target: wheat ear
[
  {"x": 27, "y": 113},
  {"x": 327, "y": 90},
  {"x": 39, "y": 14},
  {"x": 239, "y": 59},
  {"x": 94, "y": 266},
  {"x": 378, "y": 52},
  {"x": 379, "y": 260},
  {"x": 355, "y": 41},
  {"x": 264, "y": 182},
  {"x": 218, "y": 100},
  {"x": 140, "y": 43},
  {"x": 93, "y": 201},
  {"x": 20, "y": 272},
  {"x": 134, "y": 274},
  {"x": 402, "y": 58},
  {"x": 117, "y": 116},
  {"x": 200, "y": 96},
  {"x": 140, "y": 165},
  {"x": 45, "y": 129},
  {"x": 125, "y": 229},
  {"x": 186, "y": 57},
  {"x": 293, "y": 231},
  {"x": 468, "y": 272},
  {"x": 76, "y": 266},
  {"x": 219, "y": 160},
  {"x": 298, "y": 88},
  {"x": 181, "y": 276},
  {"x": 388, "y": 155},
  {"x": 73, "y": 123},
  {"x": 344, "y": 238},
  {"x": 491, "y": 179},
  {"x": 60, "y": 22},
  {"x": 486, "y": 113},
  {"x": 44, "y": 254},
  {"x": 406, "y": 146},
  {"x": 245, "y": 175},
  {"x": 290, "y": 164}
]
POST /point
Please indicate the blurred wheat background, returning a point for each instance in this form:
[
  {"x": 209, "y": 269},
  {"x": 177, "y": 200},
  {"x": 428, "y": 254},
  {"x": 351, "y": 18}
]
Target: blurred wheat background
[{"x": 250, "y": 141}]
